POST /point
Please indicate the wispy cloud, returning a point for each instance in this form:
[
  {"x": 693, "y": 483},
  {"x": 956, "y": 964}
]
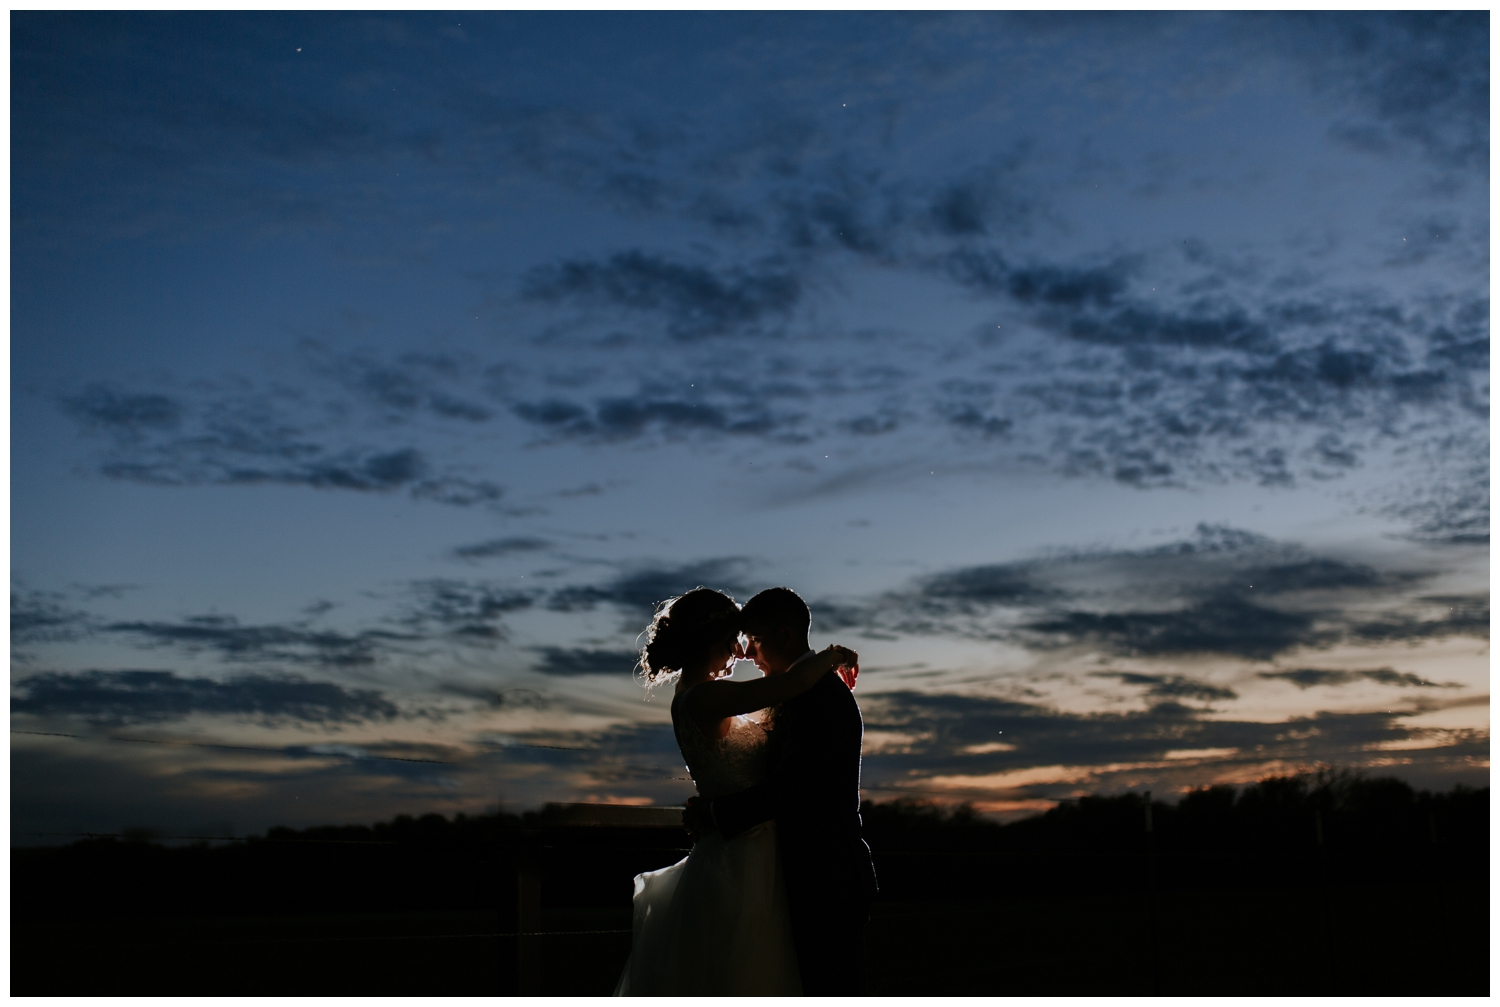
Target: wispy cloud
[
  {"x": 496, "y": 547},
  {"x": 1306, "y": 678},
  {"x": 639, "y": 591},
  {"x": 1222, "y": 591},
  {"x": 126, "y": 697},
  {"x": 290, "y": 643},
  {"x": 1218, "y": 626},
  {"x": 1171, "y": 686},
  {"x": 1429, "y": 617},
  {"x": 585, "y": 661},
  {"x": 123, "y": 412},
  {"x": 1413, "y": 77},
  {"x": 1052, "y": 753},
  {"x": 693, "y": 300},
  {"x": 240, "y": 440},
  {"x": 410, "y": 385},
  {"x": 44, "y": 617},
  {"x": 465, "y": 610},
  {"x": 622, "y": 418}
]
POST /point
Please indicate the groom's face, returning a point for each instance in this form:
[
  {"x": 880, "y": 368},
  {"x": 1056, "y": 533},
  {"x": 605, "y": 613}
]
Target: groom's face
[{"x": 754, "y": 649}]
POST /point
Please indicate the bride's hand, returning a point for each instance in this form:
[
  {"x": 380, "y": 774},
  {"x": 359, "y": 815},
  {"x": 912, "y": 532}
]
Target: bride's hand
[
  {"x": 843, "y": 656},
  {"x": 846, "y": 664}
]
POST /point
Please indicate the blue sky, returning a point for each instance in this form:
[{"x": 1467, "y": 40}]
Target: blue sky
[{"x": 1117, "y": 385}]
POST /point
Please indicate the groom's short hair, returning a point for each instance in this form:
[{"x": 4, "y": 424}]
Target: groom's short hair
[{"x": 776, "y": 614}]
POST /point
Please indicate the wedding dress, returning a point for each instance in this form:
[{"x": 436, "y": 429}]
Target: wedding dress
[{"x": 715, "y": 923}]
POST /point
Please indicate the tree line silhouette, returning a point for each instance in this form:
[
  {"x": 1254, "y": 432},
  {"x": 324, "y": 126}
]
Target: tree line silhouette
[
  {"x": 1300, "y": 857},
  {"x": 1339, "y": 810},
  {"x": 1286, "y": 830}
]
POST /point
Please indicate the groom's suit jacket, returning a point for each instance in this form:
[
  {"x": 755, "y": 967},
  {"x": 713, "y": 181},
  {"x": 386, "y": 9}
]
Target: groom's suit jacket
[{"x": 812, "y": 790}]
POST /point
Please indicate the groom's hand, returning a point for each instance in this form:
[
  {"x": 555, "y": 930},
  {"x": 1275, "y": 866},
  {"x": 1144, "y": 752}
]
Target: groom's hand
[{"x": 697, "y": 819}]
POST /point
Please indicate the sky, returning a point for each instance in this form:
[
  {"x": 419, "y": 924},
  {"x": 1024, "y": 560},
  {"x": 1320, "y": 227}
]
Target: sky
[{"x": 1116, "y": 384}]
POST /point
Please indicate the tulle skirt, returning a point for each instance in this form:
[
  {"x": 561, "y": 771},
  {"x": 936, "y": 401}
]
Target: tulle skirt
[{"x": 714, "y": 923}]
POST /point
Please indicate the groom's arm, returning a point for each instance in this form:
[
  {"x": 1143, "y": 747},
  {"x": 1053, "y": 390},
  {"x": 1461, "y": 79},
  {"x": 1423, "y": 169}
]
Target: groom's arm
[
  {"x": 788, "y": 776},
  {"x": 760, "y": 802}
]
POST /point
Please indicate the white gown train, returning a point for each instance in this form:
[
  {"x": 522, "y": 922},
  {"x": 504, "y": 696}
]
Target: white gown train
[{"x": 715, "y": 923}]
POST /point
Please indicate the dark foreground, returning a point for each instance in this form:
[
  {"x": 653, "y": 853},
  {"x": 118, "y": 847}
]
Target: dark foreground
[
  {"x": 1280, "y": 889},
  {"x": 1359, "y": 941}
]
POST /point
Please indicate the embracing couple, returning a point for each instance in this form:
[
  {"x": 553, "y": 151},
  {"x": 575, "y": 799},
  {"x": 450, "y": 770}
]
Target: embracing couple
[{"x": 774, "y": 897}]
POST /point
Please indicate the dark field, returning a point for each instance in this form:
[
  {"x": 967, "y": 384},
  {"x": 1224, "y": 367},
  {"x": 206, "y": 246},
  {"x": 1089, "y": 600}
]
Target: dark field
[
  {"x": 1359, "y": 941},
  {"x": 1280, "y": 889}
]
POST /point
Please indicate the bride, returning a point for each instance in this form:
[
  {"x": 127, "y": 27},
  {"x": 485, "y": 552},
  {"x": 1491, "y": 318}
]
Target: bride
[{"x": 716, "y": 923}]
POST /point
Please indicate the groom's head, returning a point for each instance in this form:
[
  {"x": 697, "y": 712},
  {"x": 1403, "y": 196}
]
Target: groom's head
[{"x": 775, "y": 621}]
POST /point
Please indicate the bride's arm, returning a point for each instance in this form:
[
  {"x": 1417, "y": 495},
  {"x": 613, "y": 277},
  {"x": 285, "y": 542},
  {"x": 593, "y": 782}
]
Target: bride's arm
[{"x": 713, "y": 701}]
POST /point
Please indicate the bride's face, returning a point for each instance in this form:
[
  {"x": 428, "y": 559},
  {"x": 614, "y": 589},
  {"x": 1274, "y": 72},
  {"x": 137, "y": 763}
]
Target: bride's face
[{"x": 723, "y": 656}]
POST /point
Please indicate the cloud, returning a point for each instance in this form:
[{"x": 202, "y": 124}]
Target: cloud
[
  {"x": 638, "y": 755},
  {"x": 1219, "y": 373},
  {"x": 496, "y": 699},
  {"x": 1228, "y": 623},
  {"x": 436, "y": 608},
  {"x": 1171, "y": 686},
  {"x": 624, "y": 418},
  {"x": 841, "y": 213},
  {"x": 253, "y": 440},
  {"x": 1214, "y": 626},
  {"x": 376, "y": 472},
  {"x": 1202, "y": 325},
  {"x": 583, "y": 661},
  {"x": 1213, "y": 373},
  {"x": 986, "y": 199},
  {"x": 124, "y": 412},
  {"x": 287, "y": 643},
  {"x": 974, "y": 588},
  {"x": 497, "y": 547},
  {"x": 1452, "y": 507},
  {"x": 43, "y": 617},
  {"x": 1039, "y": 285},
  {"x": 410, "y": 384},
  {"x": 639, "y": 592},
  {"x": 1207, "y": 540},
  {"x": 951, "y": 600},
  {"x": 465, "y": 610},
  {"x": 1436, "y": 617},
  {"x": 125, "y": 697},
  {"x": 1219, "y": 591},
  {"x": 1311, "y": 575},
  {"x": 1053, "y": 753},
  {"x": 1418, "y": 77},
  {"x": 944, "y": 727},
  {"x": 694, "y": 300},
  {"x": 457, "y": 492},
  {"x": 1306, "y": 678}
]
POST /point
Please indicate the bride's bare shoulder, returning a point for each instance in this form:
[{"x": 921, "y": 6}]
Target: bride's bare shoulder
[
  {"x": 694, "y": 695},
  {"x": 698, "y": 699}
]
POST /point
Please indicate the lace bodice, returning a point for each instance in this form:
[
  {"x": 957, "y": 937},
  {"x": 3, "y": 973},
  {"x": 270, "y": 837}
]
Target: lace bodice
[{"x": 724, "y": 765}]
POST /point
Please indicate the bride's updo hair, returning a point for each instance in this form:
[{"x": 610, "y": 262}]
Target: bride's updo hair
[{"x": 684, "y": 631}]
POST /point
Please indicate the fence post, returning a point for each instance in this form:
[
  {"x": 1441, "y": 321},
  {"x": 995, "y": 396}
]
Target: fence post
[
  {"x": 1330, "y": 973},
  {"x": 1436, "y": 872},
  {"x": 529, "y": 922},
  {"x": 1151, "y": 901}
]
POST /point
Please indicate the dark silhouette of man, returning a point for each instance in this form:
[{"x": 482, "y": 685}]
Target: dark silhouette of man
[{"x": 812, "y": 791}]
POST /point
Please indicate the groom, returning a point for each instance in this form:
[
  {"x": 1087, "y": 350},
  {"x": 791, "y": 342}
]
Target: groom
[{"x": 812, "y": 790}]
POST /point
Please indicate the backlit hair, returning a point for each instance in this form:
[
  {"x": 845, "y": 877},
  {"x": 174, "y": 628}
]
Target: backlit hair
[
  {"x": 683, "y": 632},
  {"x": 777, "y": 615}
]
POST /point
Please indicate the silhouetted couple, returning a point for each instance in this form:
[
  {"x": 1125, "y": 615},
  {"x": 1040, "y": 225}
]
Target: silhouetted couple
[{"x": 774, "y": 897}]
